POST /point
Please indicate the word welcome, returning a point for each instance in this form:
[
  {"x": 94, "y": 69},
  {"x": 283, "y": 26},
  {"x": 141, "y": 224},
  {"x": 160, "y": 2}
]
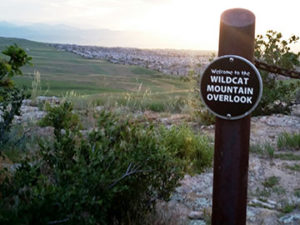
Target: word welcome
[{"x": 230, "y": 72}]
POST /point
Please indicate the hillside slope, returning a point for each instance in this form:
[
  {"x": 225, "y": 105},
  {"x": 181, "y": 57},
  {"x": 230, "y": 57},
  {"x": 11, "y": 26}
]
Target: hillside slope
[{"x": 63, "y": 71}]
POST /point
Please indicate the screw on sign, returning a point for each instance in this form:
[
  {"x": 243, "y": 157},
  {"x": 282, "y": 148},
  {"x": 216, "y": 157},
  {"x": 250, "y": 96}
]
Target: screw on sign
[{"x": 231, "y": 87}]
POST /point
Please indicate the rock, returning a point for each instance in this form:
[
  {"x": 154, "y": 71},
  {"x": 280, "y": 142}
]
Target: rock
[
  {"x": 194, "y": 215},
  {"x": 266, "y": 204},
  {"x": 292, "y": 219},
  {"x": 27, "y": 102},
  {"x": 263, "y": 216},
  {"x": 33, "y": 113},
  {"x": 295, "y": 111},
  {"x": 197, "y": 222},
  {"x": 28, "y": 109},
  {"x": 51, "y": 100},
  {"x": 29, "y": 113},
  {"x": 252, "y": 214},
  {"x": 282, "y": 121},
  {"x": 268, "y": 217},
  {"x": 99, "y": 108},
  {"x": 195, "y": 192}
]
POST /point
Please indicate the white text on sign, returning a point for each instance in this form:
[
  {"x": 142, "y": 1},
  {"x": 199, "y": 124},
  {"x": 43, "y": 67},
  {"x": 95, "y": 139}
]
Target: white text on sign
[{"x": 235, "y": 90}]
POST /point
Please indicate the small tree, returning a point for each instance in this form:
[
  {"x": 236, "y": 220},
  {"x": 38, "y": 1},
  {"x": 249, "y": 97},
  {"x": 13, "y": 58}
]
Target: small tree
[
  {"x": 11, "y": 97},
  {"x": 274, "y": 50}
]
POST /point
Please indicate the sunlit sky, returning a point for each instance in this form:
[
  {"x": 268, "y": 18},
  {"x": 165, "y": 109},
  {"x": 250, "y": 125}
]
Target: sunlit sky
[{"x": 192, "y": 24}]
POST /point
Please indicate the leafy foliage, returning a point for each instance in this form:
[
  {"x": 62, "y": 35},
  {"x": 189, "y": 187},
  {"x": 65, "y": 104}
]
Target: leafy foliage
[
  {"x": 11, "y": 97},
  {"x": 277, "y": 95},
  {"x": 111, "y": 176},
  {"x": 61, "y": 117},
  {"x": 195, "y": 151},
  {"x": 275, "y": 51}
]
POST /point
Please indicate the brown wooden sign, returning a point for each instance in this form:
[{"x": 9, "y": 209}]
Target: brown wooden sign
[{"x": 231, "y": 87}]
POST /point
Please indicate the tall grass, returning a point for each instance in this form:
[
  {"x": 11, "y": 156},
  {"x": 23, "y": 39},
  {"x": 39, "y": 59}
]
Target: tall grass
[
  {"x": 265, "y": 149},
  {"x": 289, "y": 141},
  {"x": 36, "y": 85},
  {"x": 143, "y": 100}
]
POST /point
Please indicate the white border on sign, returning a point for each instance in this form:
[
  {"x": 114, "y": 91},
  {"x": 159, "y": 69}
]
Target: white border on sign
[{"x": 260, "y": 89}]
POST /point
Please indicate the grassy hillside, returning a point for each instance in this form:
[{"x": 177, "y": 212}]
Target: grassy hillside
[{"x": 62, "y": 72}]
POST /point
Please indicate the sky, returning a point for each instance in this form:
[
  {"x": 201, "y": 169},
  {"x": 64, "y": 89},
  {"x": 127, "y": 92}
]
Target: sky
[{"x": 186, "y": 24}]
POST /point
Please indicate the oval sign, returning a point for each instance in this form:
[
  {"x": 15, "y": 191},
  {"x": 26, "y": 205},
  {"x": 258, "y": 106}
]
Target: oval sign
[{"x": 231, "y": 87}]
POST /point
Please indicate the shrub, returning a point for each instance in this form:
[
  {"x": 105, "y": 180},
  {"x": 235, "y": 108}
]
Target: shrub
[
  {"x": 61, "y": 117},
  {"x": 195, "y": 151},
  {"x": 275, "y": 51},
  {"x": 11, "y": 97},
  {"x": 111, "y": 176},
  {"x": 277, "y": 96}
]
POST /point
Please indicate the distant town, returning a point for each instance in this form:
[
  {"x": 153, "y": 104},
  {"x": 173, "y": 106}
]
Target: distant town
[{"x": 167, "y": 61}]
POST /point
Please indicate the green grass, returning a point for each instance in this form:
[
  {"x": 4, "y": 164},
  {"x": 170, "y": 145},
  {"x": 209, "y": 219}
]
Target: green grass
[
  {"x": 287, "y": 156},
  {"x": 263, "y": 149},
  {"x": 289, "y": 141},
  {"x": 271, "y": 181},
  {"x": 295, "y": 167},
  {"x": 288, "y": 208},
  {"x": 297, "y": 192},
  {"x": 63, "y": 72}
]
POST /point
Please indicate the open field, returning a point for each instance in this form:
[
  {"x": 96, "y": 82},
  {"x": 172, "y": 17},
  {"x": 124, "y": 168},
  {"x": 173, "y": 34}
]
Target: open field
[{"x": 62, "y": 72}]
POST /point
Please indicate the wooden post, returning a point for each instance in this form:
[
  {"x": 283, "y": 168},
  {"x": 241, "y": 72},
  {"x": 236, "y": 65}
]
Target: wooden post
[{"x": 231, "y": 157}]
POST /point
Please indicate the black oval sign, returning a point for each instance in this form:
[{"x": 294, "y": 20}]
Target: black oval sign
[{"x": 231, "y": 87}]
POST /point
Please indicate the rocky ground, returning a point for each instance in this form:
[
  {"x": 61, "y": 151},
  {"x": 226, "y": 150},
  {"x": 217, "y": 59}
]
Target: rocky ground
[{"x": 273, "y": 181}]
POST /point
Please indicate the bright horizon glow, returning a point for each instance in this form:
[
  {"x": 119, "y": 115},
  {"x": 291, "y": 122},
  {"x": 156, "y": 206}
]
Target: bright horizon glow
[{"x": 189, "y": 24}]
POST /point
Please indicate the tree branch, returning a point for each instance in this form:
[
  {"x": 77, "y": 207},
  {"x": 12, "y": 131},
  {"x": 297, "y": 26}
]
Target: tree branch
[
  {"x": 277, "y": 70},
  {"x": 130, "y": 171}
]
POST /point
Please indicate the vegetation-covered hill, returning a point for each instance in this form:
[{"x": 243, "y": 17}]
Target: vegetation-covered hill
[{"x": 62, "y": 72}]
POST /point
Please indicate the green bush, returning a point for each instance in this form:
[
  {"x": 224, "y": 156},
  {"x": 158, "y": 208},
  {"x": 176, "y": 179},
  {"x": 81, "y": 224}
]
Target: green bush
[
  {"x": 111, "y": 176},
  {"x": 277, "y": 95},
  {"x": 61, "y": 117},
  {"x": 11, "y": 97},
  {"x": 195, "y": 151}
]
